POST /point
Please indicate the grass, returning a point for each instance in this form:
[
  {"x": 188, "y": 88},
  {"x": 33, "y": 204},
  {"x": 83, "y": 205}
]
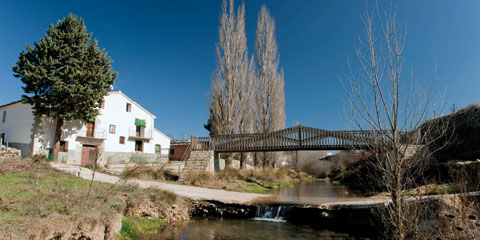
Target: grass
[
  {"x": 39, "y": 191},
  {"x": 134, "y": 227},
  {"x": 33, "y": 193}
]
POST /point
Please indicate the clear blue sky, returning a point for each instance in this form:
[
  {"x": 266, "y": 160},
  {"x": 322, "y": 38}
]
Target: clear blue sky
[{"x": 164, "y": 51}]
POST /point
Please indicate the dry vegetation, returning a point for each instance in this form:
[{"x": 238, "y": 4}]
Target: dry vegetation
[
  {"x": 254, "y": 181},
  {"x": 333, "y": 167},
  {"x": 39, "y": 202},
  {"x": 150, "y": 173}
]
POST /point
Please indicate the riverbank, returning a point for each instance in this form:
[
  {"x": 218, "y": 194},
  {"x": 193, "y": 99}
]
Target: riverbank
[{"x": 261, "y": 181}]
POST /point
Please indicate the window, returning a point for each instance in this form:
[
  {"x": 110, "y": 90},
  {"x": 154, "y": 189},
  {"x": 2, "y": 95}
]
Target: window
[
  {"x": 158, "y": 148},
  {"x": 4, "y": 117},
  {"x": 139, "y": 146},
  {"x": 102, "y": 104},
  {"x": 172, "y": 151},
  {"x": 63, "y": 146},
  {"x": 111, "y": 129},
  {"x": 122, "y": 140},
  {"x": 129, "y": 107}
]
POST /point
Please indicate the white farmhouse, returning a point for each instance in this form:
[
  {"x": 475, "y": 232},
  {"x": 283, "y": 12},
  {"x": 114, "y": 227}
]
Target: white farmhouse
[{"x": 123, "y": 132}]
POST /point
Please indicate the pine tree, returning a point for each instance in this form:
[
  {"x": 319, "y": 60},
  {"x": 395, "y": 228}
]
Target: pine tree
[{"x": 65, "y": 74}]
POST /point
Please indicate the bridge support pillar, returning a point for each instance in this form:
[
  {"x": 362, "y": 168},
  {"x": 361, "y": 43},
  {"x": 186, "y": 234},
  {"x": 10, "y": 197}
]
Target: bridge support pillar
[{"x": 216, "y": 162}]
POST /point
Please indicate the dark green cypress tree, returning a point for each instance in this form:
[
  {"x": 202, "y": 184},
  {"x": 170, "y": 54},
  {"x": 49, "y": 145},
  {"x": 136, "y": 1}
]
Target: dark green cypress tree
[{"x": 66, "y": 75}]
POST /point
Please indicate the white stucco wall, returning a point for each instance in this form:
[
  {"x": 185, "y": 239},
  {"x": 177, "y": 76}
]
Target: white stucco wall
[
  {"x": 115, "y": 113},
  {"x": 162, "y": 139},
  {"x": 18, "y": 123}
]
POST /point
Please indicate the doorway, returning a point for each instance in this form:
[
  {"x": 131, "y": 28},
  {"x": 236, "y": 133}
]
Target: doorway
[
  {"x": 89, "y": 154},
  {"x": 90, "y": 129}
]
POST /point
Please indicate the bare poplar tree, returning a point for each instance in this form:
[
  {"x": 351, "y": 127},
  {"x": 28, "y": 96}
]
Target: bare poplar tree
[
  {"x": 395, "y": 108},
  {"x": 230, "y": 89},
  {"x": 270, "y": 97}
]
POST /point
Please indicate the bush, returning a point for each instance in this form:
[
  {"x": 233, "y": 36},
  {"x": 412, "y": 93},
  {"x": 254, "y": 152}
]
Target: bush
[{"x": 135, "y": 228}]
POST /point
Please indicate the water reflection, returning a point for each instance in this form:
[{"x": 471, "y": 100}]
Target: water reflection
[
  {"x": 226, "y": 229},
  {"x": 314, "y": 192}
]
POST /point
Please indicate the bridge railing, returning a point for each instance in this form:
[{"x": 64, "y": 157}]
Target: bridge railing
[{"x": 290, "y": 139}]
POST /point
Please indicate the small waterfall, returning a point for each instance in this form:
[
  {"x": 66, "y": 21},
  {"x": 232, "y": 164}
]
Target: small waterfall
[{"x": 272, "y": 213}]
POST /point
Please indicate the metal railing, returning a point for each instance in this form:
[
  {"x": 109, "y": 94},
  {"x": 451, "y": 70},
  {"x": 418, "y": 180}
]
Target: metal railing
[
  {"x": 97, "y": 133},
  {"x": 143, "y": 133}
]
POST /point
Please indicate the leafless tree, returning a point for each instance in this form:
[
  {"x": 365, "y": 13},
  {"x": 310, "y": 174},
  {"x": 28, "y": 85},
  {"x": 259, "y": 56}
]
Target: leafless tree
[
  {"x": 231, "y": 87},
  {"x": 270, "y": 97},
  {"x": 395, "y": 107},
  {"x": 98, "y": 158}
]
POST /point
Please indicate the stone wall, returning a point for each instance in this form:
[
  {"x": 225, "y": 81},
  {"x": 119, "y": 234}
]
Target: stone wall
[
  {"x": 200, "y": 161},
  {"x": 25, "y": 148}
]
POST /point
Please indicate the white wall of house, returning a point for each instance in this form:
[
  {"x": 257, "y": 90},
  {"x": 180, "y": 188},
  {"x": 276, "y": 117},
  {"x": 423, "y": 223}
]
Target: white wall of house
[
  {"x": 115, "y": 113},
  {"x": 162, "y": 140},
  {"x": 16, "y": 121},
  {"x": 113, "y": 122}
]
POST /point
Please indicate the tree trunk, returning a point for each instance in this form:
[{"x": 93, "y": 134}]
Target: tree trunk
[
  {"x": 57, "y": 138},
  {"x": 228, "y": 160},
  {"x": 243, "y": 161}
]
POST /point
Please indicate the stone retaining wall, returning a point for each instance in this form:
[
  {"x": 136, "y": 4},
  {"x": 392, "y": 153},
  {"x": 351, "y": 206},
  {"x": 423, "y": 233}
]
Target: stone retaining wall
[{"x": 200, "y": 161}]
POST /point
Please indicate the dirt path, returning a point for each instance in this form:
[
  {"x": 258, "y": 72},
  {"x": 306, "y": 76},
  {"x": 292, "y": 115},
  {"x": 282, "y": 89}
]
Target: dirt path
[{"x": 195, "y": 193}]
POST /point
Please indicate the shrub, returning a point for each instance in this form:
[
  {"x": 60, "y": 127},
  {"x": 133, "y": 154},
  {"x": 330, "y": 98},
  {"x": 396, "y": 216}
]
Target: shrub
[{"x": 135, "y": 228}]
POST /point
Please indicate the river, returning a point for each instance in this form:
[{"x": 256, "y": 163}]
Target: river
[
  {"x": 314, "y": 192},
  {"x": 269, "y": 223}
]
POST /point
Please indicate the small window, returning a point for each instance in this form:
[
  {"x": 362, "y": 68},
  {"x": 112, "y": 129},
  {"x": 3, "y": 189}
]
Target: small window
[
  {"x": 139, "y": 146},
  {"x": 158, "y": 148},
  {"x": 129, "y": 107},
  {"x": 102, "y": 104},
  {"x": 111, "y": 129},
  {"x": 63, "y": 146},
  {"x": 4, "y": 116},
  {"x": 122, "y": 140},
  {"x": 172, "y": 151}
]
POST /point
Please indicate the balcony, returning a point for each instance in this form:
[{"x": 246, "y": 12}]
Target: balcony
[
  {"x": 142, "y": 133},
  {"x": 96, "y": 134}
]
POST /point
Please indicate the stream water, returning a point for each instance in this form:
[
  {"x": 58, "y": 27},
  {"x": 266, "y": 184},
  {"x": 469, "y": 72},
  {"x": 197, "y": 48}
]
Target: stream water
[
  {"x": 314, "y": 192},
  {"x": 249, "y": 229},
  {"x": 270, "y": 222}
]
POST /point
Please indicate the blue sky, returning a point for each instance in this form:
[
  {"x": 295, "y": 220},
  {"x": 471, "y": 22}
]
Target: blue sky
[{"x": 164, "y": 51}]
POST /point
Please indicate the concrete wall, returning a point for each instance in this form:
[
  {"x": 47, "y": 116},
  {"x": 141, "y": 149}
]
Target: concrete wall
[{"x": 123, "y": 158}]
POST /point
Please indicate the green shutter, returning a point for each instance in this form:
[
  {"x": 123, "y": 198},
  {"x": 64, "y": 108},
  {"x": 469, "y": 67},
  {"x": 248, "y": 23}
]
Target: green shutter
[
  {"x": 92, "y": 120},
  {"x": 157, "y": 148},
  {"x": 140, "y": 122}
]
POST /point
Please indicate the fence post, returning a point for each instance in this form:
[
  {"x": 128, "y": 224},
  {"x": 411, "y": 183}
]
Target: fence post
[
  {"x": 299, "y": 136},
  {"x": 216, "y": 162}
]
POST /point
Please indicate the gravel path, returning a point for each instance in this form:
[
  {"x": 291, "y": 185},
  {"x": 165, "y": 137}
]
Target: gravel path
[{"x": 195, "y": 193}]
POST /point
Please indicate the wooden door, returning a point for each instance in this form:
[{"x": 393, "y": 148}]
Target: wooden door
[
  {"x": 89, "y": 154},
  {"x": 139, "y": 131},
  {"x": 90, "y": 128}
]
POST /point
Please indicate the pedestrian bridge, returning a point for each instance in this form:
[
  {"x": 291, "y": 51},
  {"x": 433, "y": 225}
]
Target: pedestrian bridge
[{"x": 290, "y": 139}]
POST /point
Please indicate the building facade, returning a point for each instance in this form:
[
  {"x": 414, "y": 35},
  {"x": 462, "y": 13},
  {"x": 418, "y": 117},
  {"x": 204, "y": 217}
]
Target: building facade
[{"x": 122, "y": 133}]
